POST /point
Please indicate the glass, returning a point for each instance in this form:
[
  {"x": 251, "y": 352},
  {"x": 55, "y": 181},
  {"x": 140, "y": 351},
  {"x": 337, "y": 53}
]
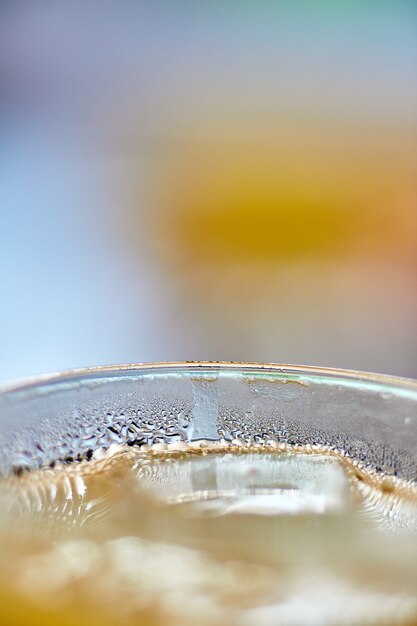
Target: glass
[{"x": 367, "y": 419}]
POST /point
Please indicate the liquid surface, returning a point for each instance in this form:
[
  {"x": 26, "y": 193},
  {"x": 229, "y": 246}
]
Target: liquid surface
[{"x": 208, "y": 534}]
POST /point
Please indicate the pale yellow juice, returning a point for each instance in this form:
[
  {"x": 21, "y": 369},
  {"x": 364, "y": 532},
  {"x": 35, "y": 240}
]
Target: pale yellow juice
[{"x": 208, "y": 533}]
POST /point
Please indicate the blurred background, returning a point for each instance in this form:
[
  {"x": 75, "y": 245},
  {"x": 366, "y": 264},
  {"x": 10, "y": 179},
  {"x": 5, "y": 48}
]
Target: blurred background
[{"x": 208, "y": 180}]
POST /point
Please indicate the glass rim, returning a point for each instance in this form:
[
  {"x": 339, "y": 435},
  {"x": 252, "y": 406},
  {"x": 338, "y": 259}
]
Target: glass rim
[
  {"x": 30, "y": 382},
  {"x": 320, "y": 409}
]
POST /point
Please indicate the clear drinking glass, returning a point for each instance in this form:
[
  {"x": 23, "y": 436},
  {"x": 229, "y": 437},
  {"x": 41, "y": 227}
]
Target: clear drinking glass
[{"x": 280, "y": 503}]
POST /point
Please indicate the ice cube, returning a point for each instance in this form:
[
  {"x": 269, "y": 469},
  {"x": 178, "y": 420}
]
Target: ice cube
[{"x": 250, "y": 483}]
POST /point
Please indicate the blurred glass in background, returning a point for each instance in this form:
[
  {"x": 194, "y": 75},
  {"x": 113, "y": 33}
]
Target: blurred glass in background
[{"x": 219, "y": 180}]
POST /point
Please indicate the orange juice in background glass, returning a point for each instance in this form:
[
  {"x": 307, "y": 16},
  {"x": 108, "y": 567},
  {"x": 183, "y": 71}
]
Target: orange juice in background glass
[{"x": 285, "y": 236}]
